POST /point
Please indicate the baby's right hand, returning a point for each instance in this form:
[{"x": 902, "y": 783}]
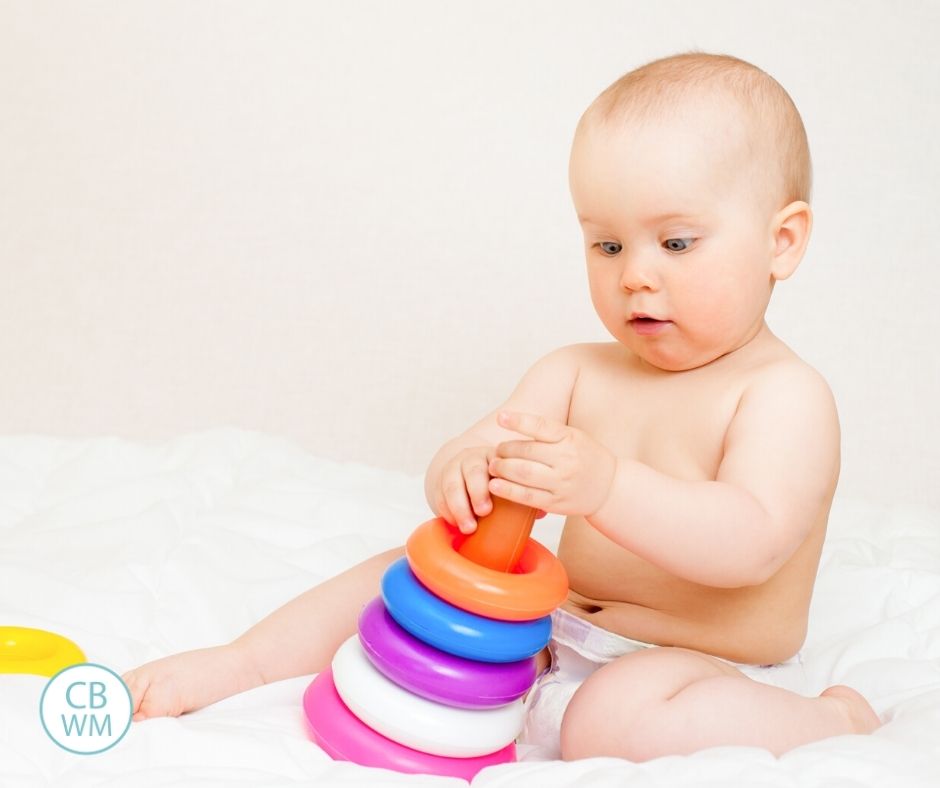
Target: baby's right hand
[
  {"x": 184, "y": 682},
  {"x": 464, "y": 487}
]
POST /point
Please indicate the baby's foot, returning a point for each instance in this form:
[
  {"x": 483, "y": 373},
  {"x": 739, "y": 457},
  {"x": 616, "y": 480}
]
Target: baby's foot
[
  {"x": 184, "y": 682},
  {"x": 859, "y": 713}
]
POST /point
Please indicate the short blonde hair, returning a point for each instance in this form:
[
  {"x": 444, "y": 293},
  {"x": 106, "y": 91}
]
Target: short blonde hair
[{"x": 650, "y": 91}]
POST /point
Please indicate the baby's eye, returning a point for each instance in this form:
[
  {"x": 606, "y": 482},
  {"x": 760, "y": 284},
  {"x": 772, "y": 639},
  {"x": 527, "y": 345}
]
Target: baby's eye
[
  {"x": 678, "y": 244},
  {"x": 610, "y": 247}
]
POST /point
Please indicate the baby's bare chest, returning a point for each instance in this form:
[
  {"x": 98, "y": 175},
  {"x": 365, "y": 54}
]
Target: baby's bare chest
[{"x": 675, "y": 424}]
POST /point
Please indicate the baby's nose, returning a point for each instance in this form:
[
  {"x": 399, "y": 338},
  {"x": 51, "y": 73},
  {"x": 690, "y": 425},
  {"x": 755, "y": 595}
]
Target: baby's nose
[{"x": 638, "y": 274}]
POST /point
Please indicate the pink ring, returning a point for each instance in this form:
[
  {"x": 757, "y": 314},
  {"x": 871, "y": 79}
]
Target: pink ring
[{"x": 346, "y": 738}]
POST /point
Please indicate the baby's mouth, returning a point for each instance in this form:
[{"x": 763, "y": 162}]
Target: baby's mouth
[
  {"x": 641, "y": 319},
  {"x": 644, "y": 324}
]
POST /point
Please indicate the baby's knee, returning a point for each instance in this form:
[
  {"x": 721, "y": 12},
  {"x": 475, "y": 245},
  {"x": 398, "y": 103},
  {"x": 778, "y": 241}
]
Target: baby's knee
[
  {"x": 610, "y": 713},
  {"x": 587, "y": 732},
  {"x": 601, "y": 716},
  {"x": 575, "y": 737}
]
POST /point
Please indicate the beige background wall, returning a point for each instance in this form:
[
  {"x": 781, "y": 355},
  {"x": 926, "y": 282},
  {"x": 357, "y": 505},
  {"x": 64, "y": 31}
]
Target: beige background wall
[{"x": 349, "y": 223}]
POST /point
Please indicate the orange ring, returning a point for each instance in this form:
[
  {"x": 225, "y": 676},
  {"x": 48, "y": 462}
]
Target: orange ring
[{"x": 538, "y": 585}]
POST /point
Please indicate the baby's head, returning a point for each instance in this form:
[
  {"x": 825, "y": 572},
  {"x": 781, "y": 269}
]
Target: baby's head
[{"x": 691, "y": 178}]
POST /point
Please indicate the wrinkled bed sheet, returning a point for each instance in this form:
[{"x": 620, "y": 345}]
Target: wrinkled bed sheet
[{"x": 136, "y": 550}]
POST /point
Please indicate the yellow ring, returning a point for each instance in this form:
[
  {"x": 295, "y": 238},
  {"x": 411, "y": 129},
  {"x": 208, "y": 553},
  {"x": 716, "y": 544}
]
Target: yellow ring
[{"x": 28, "y": 650}]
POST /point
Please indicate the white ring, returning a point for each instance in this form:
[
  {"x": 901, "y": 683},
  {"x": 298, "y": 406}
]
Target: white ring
[{"x": 417, "y": 722}]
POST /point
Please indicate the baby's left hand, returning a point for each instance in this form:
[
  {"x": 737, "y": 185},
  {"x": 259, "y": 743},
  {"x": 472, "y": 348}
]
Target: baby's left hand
[{"x": 562, "y": 470}]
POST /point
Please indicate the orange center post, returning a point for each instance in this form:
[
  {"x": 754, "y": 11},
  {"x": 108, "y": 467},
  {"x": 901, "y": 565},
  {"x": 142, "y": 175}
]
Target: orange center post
[{"x": 500, "y": 536}]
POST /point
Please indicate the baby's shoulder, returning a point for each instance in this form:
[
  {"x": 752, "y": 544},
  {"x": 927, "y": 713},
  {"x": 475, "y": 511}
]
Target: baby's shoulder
[
  {"x": 788, "y": 383},
  {"x": 570, "y": 359}
]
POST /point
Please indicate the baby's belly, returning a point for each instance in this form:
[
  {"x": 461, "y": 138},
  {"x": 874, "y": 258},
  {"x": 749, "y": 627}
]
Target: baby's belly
[{"x": 617, "y": 590}]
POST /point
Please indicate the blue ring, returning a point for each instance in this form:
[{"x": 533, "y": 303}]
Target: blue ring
[{"x": 456, "y": 631}]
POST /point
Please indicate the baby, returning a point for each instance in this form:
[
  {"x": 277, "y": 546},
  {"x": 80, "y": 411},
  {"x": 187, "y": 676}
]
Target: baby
[{"x": 695, "y": 456}]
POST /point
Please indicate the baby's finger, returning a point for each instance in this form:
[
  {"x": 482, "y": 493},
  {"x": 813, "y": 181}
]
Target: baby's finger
[
  {"x": 533, "y": 425},
  {"x": 137, "y": 691},
  {"x": 444, "y": 512},
  {"x": 477, "y": 477},
  {"x": 519, "y": 493},
  {"x": 455, "y": 497}
]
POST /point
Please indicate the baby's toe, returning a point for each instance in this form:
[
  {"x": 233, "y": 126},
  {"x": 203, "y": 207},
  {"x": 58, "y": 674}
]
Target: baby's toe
[{"x": 137, "y": 686}]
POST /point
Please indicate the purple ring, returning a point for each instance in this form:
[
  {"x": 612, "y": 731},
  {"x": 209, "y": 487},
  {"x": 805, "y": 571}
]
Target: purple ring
[{"x": 435, "y": 674}]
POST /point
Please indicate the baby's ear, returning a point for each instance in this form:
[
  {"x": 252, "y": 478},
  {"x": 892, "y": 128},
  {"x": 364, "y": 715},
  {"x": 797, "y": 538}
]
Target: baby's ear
[{"x": 791, "y": 229}]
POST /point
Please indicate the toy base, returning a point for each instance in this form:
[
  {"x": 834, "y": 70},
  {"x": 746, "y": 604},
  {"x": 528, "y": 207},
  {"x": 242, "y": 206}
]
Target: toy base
[
  {"x": 417, "y": 722},
  {"x": 344, "y": 737}
]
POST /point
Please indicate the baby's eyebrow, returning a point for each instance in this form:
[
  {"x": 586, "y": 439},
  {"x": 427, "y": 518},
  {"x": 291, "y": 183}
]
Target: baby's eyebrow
[
  {"x": 659, "y": 218},
  {"x": 665, "y": 217}
]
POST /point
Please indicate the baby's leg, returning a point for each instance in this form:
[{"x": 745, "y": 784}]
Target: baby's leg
[
  {"x": 173, "y": 685},
  {"x": 298, "y": 638},
  {"x": 675, "y": 701}
]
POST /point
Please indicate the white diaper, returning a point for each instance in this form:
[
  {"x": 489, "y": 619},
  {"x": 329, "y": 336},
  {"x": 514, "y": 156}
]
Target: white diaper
[{"x": 578, "y": 648}]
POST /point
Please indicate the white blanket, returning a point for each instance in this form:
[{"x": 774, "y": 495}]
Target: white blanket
[{"x": 137, "y": 550}]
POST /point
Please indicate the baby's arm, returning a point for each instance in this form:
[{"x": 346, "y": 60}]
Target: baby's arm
[
  {"x": 778, "y": 472},
  {"x": 301, "y": 636},
  {"x": 456, "y": 480}
]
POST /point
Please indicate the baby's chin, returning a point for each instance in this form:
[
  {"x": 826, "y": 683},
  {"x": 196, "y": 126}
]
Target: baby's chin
[
  {"x": 677, "y": 365},
  {"x": 663, "y": 359}
]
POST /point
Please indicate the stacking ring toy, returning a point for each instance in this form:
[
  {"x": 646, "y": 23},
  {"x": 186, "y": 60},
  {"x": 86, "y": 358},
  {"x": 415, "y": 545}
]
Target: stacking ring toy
[
  {"x": 417, "y": 722},
  {"x": 456, "y": 631},
  {"x": 535, "y": 588},
  {"x": 344, "y": 737},
  {"x": 434, "y": 681},
  {"x": 435, "y": 674},
  {"x": 28, "y": 650}
]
